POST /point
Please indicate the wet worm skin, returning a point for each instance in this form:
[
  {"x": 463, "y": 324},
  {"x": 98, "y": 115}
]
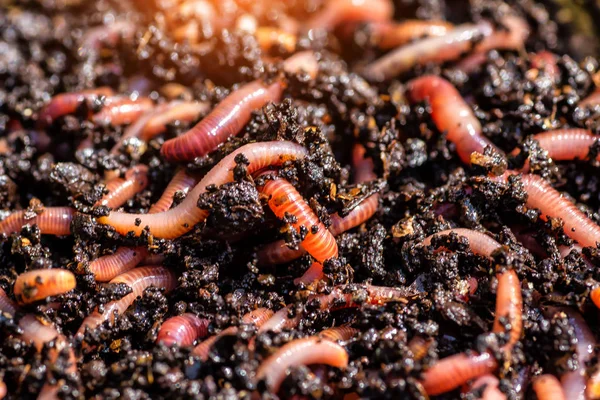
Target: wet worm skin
[
  {"x": 302, "y": 62},
  {"x": 138, "y": 279},
  {"x": 122, "y": 260},
  {"x": 541, "y": 195},
  {"x": 67, "y": 103},
  {"x": 36, "y": 285},
  {"x": 51, "y": 221},
  {"x": 122, "y": 110},
  {"x": 388, "y": 35},
  {"x": 547, "y": 387},
  {"x": 337, "y": 12},
  {"x": 573, "y": 382},
  {"x": 256, "y": 317},
  {"x": 489, "y": 384},
  {"x": 182, "y": 330},
  {"x": 182, "y": 181},
  {"x": 592, "y": 390},
  {"x": 306, "y": 351},
  {"x": 509, "y": 302},
  {"x": 6, "y": 304},
  {"x": 226, "y": 120},
  {"x": 566, "y": 144},
  {"x": 451, "y": 114},
  {"x": 285, "y": 200},
  {"x": 451, "y": 372},
  {"x": 595, "y": 296},
  {"x": 546, "y": 61},
  {"x": 186, "y": 111},
  {"x": 339, "y": 333},
  {"x": 181, "y": 219},
  {"x": 479, "y": 242},
  {"x": 120, "y": 191}
]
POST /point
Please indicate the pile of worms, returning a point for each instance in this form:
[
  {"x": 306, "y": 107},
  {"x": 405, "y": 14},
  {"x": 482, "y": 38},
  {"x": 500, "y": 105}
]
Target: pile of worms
[{"x": 328, "y": 199}]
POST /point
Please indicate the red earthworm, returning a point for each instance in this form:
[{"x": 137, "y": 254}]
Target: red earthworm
[
  {"x": 509, "y": 304},
  {"x": 135, "y": 129},
  {"x": 541, "y": 195},
  {"x": 2, "y": 389},
  {"x": 107, "y": 34},
  {"x": 389, "y": 35},
  {"x": 339, "y": 333},
  {"x": 50, "y": 221},
  {"x": 511, "y": 35},
  {"x": 451, "y": 372},
  {"x": 306, "y": 351},
  {"x": 186, "y": 111},
  {"x": 120, "y": 191},
  {"x": 573, "y": 382},
  {"x": 182, "y": 181},
  {"x": 490, "y": 384},
  {"x": 49, "y": 391},
  {"x": 269, "y": 37},
  {"x": 595, "y": 296},
  {"x": 138, "y": 279},
  {"x": 546, "y": 61},
  {"x": 225, "y": 120},
  {"x": 471, "y": 63},
  {"x": 472, "y": 285},
  {"x": 312, "y": 274},
  {"x": 337, "y": 12},
  {"x": 479, "y": 242},
  {"x": 122, "y": 110},
  {"x": 451, "y": 114},
  {"x": 302, "y": 62},
  {"x": 592, "y": 390},
  {"x": 6, "y": 304},
  {"x": 122, "y": 260},
  {"x": 363, "y": 166},
  {"x": 591, "y": 101},
  {"x": 547, "y": 387},
  {"x": 181, "y": 219},
  {"x": 67, "y": 103},
  {"x": 38, "y": 284},
  {"x": 182, "y": 330},
  {"x": 339, "y": 299},
  {"x": 419, "y": 346},
  {"x": 285, "y": 200},
  {"x": 255, "y": 317}
]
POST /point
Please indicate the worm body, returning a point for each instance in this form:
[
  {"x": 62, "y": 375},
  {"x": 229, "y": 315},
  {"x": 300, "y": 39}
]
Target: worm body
[
  {"x": 6, "y": 304},
  {"x": 302, "y": 62},
  {"x": 41, "y": 283},
  {"x": 51, "y": 221},
  {"x": 546, "y": 61},
  {"x": 122, "y": 260},
  {"x": 451, "y": 114},
  {"x": 509, "y": 303},
  {"x": 67, "y": 103},
  {"x": 337, "y": 12},
  {"x": 227, "y": 119},
  {"x": 269, "y": 37},
  {"x": 591, "y": 101},
  {"x": 547, "y": 387},
  {"x": 186, "y": 111},
  {"x": 122, "y": 190},
  {"x": 285, "y": 200},
  {"x": 181, "y": 219},
  {"x": 182, "y": 330},
  {"x": 595, "y": 296},
  {"x": 479, "y": 243},
  {"x": 182, "y": 181},
  {"x": 312, "y": 350},
  {"x": 339, "y": 333},
  {"x": 138, "y": 279},
  {"x": 122, "y": 110},
  {"x": 489, "y": 384},
  {"x": 388, "y": 35},
  {"x": 566, "y": 144}
]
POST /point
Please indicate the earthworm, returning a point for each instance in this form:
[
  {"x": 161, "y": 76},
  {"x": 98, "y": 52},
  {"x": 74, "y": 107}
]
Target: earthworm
[
  {"x": 135, "y": 129},
  {"x": 106, "y": 34},
  {"x": 595, "y": 296},
  {"x": 67, "y": 103},
  {"x": 38, "y": 284},
  {"x": 573, "y": 382},
  {"x": 419, "y": 347},
  {"x": 312, "y": 274},
  {"x": 285, "y": 200},
  {"x": 186, "y": 111},
  {"x": 541, "y": 195},
  {"x": 509, "y": 302},
  {"x": 547, "y": 387},
  {"x": 269, "y": 37},
  {"x": 592, "y": 390},
  {"x": 255, "y": 317},
  {"x": 122, "y": 110},
  {"x": 225, "y": 120},
  {"x": 278, "y": 253},
  {"x": 389, "y": 35},
  {"x": 451, "y": 372},
  {"x": 479, "y": 242},
  {"x": 120, "y": 191},
  {"x": 490, "y": 384},
  {"x": 181, "y": 219},
  {"x": 339, "y": 333},
  {"x": 182, "y": 330},
  {"x": 340, "y": 298},
  {"x": 451, "y": 114},
  {"x": 2, "y": 389},
  {"x": 511, "y": 35},
  {"x": 138, "y": 279},
  {"x": 182, "y": 181},
  {"x": 122, "y": 260},
  {"x": 302, "y": 62},
  {"x": 306, "y": 351},
  {"x": 471, "y": 288},
  {"x": 337, "y": 12},
  {"x": 546, "y": 61},
  {"x": 591, "y": 101},
  {"x": 6, "y": 304},
  {"x": 50, "y": 221},
  {"x": 49, "y": 391}
]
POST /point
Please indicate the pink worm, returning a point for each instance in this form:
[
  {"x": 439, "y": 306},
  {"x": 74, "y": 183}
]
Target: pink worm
[
  {"x": 51, "y": 221},
  {"x": 339, "y": 333},
  {"x": 337, "y": 12},
  {"x": 122, "y": 110},
  {"x": 389, "y": 35},
  {"x": 302, "y": 62},
  {"x": 491, "y": 391},
  {"x": 182, "y": 330},
  {"x": 120, "y": 191},
  {"x": 591, "y": 101},
  {"x": 138, "y": 279},
  {"x": 67, "y": 103},
  {"x": 546, "y": 61},
  {"x": 547, "y": 387},
  {"x": 227, "y": 119},
  {"x": 311, "y": 350},
  {"x": 181, "y": 219},
  {"x": 107, "y": 267},
  {"x": 451, "y": 114},
  {"x": 187, "y": 111}
]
